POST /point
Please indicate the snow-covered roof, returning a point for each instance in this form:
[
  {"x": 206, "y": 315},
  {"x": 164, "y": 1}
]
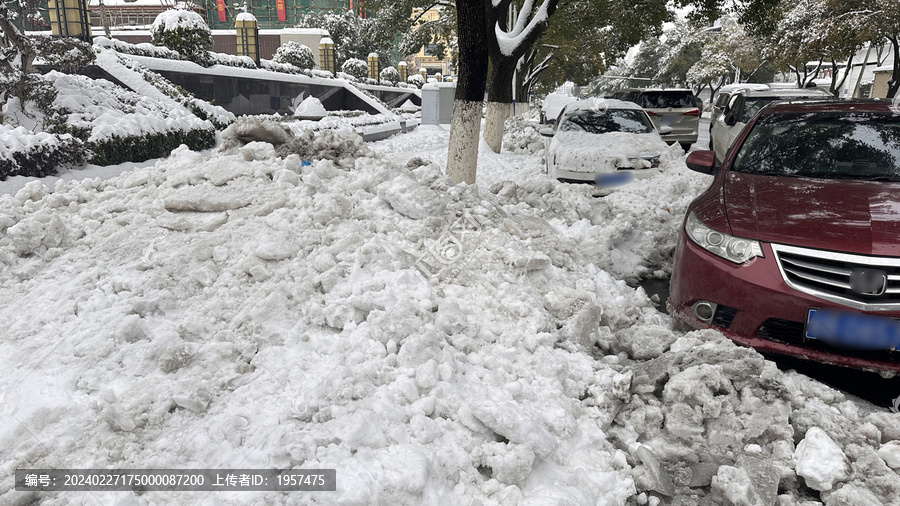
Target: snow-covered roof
[
  {"x": 601, "y": 104},
  {"x": 820, "y": 91},
  {"x": 742, "y": 86}
]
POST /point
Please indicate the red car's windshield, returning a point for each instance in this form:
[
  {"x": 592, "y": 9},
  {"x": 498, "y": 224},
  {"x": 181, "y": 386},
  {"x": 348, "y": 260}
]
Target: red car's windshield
[{"x": 831, "y": 145}]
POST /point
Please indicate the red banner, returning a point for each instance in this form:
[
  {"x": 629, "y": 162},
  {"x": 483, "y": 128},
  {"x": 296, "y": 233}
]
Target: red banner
[
  {"x": 220, "y": 6},
  {"x": 279, "y": 6}
]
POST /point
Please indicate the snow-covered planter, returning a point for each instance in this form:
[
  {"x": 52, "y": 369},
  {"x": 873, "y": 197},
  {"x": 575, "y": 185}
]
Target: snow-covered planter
[
  {"x": 37, "y": 154},
  {"x": 390, "y": 75},
  {"x": 296, "y": 54},
  {"x": 356, "y": 68},
  {"x": 183, "y": 31}
]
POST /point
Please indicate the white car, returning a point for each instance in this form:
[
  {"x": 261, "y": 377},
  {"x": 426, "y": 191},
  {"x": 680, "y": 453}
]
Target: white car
[
  {"x": 606, "y": 142},
  {"x": 552, "y": 105},
  {"x": 742, "y": 104}
]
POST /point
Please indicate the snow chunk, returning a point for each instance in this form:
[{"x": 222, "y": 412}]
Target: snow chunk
[
  {"x": 311, "y": 107},
  {"x": 890, "y": 454},
  {"x": 204, "y": 200},
  {"x": 410, "y": 199},
  {"x": 735, "y": 485},
  {"x": 275, "y": 250},
  {"x": 257, "y": 150},
  {"x": 643, "y": 342},
  {"x": 820, "y": 461}
]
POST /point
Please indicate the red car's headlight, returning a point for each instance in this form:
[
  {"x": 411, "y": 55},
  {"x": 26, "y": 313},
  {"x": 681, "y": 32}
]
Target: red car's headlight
[{"x": 734, "y": 249}]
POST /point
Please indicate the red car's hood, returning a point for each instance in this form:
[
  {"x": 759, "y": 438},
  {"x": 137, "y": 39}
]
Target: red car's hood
[{"x": 854, "y": 216}]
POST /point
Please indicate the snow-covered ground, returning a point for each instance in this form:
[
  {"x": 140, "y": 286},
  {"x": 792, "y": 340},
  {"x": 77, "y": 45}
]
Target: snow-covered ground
[{"x": 433, "y": 343}]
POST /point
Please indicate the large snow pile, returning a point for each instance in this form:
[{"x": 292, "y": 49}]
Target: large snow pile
[
  {"x": 433, "y": 343},
  {"x": 520, "y": 135}
]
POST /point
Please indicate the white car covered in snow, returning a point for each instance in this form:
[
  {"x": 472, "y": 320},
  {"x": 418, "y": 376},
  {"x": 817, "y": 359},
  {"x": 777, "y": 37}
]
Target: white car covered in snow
[{"x": 603, "y": 141}]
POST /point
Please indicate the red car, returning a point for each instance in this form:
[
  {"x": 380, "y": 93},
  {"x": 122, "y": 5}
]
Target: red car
[{"x": 795, "y": 247}]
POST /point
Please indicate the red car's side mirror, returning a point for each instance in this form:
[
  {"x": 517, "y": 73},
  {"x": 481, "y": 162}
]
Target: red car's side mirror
[{"x": 702, "y": 161}]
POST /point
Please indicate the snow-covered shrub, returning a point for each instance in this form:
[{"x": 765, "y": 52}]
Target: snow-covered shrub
[
  {"x": 143, "y": 49},
  {"x": 183, "y": 31},
  {"x": 416, "y": 80},
  {"x": 119, "y": 125},
  {"x": 231, "y": 60},
  {"x": 391, "y": 75},
  {"x": 218, "y": 116},
  {"x": 296, "y": 54},
  {"x": 37, "y": 154},
  {"x": 355, "y": 67},
  {"x": 66, "y": 53}
]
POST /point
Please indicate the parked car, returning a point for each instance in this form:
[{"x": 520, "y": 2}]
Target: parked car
[
  {"x": 552, "y": 105},
  {"x": 744, "y": 102},
  {"x": 794, "y": 248},
  {"x": 678, "y": 109},
  {"x": 603, "y": 141},
  {"x": 723, "y": 94}
]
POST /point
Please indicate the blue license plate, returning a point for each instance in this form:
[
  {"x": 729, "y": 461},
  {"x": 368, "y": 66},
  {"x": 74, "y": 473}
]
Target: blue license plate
[
  {"x": 853, "y": 330},
  {"x": 613, "y": 179}
]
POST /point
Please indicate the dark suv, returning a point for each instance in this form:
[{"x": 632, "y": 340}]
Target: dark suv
[{"x": 675, "y": 108}]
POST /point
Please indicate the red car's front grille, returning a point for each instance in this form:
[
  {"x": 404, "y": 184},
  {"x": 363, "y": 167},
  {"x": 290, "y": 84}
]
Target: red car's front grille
[
  {"x": 791, "y": 332},
  {"x": 829, "y": 275}
]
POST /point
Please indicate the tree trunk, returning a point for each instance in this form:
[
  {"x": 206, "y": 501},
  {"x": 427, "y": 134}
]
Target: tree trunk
[
  {"x": 500, "y": 102},
  {"x": 836, "y": 83},
  {"x": 465, "y": 125},
  {"x": 894, "y": 81},
  {"x": 503, "y": 64}
]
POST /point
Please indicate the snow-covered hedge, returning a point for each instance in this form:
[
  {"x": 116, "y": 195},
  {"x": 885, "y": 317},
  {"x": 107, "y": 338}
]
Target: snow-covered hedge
[
  {"x": 391, "y": 75},
  {"x": 143, "y": 80},
  {"x": 296, "y": 54},
  {"x": 96, "y": 121},
  {"x": 416, "y": 80},
  {"x": 183, "y": 31},
  {"x": 356, "y": 68},
  {"x": 26, "y": 153},
  {"x": 120, "y": 125},
  {"x": 117, "y": 149}
]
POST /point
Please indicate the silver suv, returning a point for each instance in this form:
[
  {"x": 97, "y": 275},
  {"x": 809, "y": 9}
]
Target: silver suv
[
  {"x": 733, "y": 108},
  {"x": 677, "y": 109}
]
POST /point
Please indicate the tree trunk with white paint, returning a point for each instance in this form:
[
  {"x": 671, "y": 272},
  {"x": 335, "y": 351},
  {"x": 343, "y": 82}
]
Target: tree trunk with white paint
[
  {"x": 462, "y": 155},
  {"x": 519, "y": 31},
  {"x": 465, "y": 125},
  {"x": 494, "y": 120}
]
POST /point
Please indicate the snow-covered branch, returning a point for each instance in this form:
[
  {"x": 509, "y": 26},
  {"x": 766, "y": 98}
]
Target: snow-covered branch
[{"x": 525, "y": 30}]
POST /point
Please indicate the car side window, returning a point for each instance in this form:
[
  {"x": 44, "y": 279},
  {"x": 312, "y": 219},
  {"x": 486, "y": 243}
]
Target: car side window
[{"x": 722, "y": 100}]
